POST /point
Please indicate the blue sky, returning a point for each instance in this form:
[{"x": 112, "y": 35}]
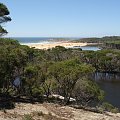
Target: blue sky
[{"x": 63, "y": 18}]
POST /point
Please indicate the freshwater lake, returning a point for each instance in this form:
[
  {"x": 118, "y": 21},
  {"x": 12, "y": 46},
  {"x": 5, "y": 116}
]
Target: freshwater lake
[
  {"x": 108, "y": 82},
  {"x": 94, "y": 48}
]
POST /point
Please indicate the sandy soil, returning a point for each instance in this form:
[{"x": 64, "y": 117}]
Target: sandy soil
[
  {"x": 49, "y": 111},
  {"x": 52, "y": 45}
]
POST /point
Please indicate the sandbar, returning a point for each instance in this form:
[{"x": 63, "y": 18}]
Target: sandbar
[{"x": 52, "y": 45}]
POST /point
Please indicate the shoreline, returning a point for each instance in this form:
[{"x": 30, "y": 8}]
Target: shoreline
[{"x": 54, "y": 44}]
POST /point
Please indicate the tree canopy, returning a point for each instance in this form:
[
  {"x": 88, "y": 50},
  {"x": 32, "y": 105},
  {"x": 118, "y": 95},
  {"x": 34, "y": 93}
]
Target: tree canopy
[{"x": 4, "y": 12}]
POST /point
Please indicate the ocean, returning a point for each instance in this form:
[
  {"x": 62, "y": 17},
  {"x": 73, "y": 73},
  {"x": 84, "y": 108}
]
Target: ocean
[
  {"x": 40, "y": 40},
  {"x": 50, "y": 40}
]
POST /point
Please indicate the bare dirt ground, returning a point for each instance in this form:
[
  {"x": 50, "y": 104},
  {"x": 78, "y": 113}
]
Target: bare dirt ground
[{"x": 49, "y": 111}]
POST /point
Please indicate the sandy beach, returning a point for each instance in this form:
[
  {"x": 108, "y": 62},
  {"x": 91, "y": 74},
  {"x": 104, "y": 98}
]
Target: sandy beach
[{"x": 52, "y": 45}]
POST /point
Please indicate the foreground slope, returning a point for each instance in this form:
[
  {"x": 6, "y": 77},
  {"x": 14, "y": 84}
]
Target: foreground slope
[{"x": 49, "y": 111}]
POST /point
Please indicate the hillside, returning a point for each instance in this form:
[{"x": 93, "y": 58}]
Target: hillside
[{"x": 49, "y": 111}]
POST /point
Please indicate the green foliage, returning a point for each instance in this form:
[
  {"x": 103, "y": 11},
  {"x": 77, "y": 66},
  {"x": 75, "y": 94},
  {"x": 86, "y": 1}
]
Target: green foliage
[
  {"x": 87, "y": 91},
  {"x": 59, "y": 49},
  {"x": 93, "y": 89},
  {"x": 27, "y": 117},
  {"x": 103, "y": 60},
  {"x": 3, "y": 18},
  {"x": 13, "y": 58},
  {"x": 88, "y": 40},
  {"x": 58, "y": 53},
  {"x": 108, "y": 107},
  {"x": 37, "y": 91},
  {"x": 67, "y": 73},
  {"x": 3, "y": 10},
  {"x": 38, "y": 113},
  {"x": 56, "y": 71}
]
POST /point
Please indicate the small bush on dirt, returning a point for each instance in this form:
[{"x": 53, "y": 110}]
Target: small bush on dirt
[{"x": 27, "y": 117}]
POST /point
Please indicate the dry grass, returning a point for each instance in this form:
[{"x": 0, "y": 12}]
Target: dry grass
[{"x": 49, "y": 111}]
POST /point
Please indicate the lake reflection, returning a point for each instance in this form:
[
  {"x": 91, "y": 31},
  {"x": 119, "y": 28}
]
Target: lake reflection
[
  {"x": 110, "y": 83},
  {"x": 94, "y": 48}
]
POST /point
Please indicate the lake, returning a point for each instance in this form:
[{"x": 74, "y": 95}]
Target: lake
[
  {"x": 94, "y": 48},
  {"x": 110, "y": 83}
]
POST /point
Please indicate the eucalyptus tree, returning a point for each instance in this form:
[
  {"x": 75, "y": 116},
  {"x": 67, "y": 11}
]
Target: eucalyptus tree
[
  {"x": 4, "y": 12},
  {"x": 66, "y": 74}
]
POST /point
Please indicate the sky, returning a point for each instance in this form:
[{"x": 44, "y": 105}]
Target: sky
[{"x": 63, "y": 18}]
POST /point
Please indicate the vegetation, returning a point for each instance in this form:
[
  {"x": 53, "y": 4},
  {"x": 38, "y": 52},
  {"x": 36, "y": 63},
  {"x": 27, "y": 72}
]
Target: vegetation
[
  {"x": 89, "y": 40},
  {"x": 108, "y": 107},
  {"x": 67, "y": 74},
  {"x": 27, "y": 117},
  {"x": 37, "y": 74},
  {"x": 100, "y": 40},
  {"x": 3, "y": 18},
  {"x": 60, "y": 71},
  {"x": 43, "y": 72},
  {"x": 107, "y": 42},
  {"x": 41, "y": 115}
]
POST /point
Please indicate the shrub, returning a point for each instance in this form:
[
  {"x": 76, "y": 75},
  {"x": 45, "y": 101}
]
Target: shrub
[
  {"x": 109, "y": 107},
  {"x": 27, "y": 117}
]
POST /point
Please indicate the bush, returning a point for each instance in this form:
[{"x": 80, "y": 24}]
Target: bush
[
  {"x": 87, "y": 92},
  {"x": 27, "y": 117},
  {"x": 37, "y": 92},
  {"x": 108, "y": 107}
]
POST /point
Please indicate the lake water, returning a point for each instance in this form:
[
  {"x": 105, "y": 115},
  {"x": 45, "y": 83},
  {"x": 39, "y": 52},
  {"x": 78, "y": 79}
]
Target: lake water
[
  {"x": 94, "y": 48},
  {"x": 110, "y": 83}
]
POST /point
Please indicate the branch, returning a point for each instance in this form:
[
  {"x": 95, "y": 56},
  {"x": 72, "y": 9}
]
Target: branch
[{"x": 5, "y": 19}]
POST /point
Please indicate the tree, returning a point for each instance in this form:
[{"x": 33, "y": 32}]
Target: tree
[
  {"x": 87, "y": 92},
  {"x": 4, "y": 12},
  {"x": 67, "y": 73},
  {"x": 31, "y": 76}
]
